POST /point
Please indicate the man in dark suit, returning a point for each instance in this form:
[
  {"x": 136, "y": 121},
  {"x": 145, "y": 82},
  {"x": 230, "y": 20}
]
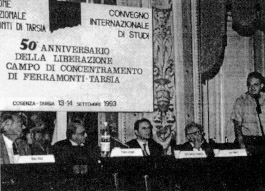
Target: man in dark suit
[
  {"x": 144, "y": 141},
  {"x": 143, "y": 132},
  {"x": 196, "y": 142},
  {"x": 74, "y": 150},
  {"x": 11, "y": 144}
]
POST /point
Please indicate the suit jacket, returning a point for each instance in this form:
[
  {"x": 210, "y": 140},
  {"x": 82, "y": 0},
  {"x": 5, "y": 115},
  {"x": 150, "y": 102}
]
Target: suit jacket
[
  {"x": 154, "y": 148},
  {"x": 20, "y": 146},
  {"x": 4, "y": 159},
  {"x": 66, "y": 153},
  {"x": 205, "y": 146}
]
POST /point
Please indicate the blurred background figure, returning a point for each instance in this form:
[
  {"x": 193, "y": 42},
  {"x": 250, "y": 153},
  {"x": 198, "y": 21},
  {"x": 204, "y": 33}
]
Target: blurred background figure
[{"x": 41, "y": 134}]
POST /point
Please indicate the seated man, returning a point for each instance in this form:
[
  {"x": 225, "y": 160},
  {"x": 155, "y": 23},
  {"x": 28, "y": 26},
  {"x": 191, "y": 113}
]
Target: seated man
[
  {"x": 74, "y": 149},
  {"x": 10, "y": 142},
  {"x": 196, "y": 142},
  {"x": 143, "y": 132}
]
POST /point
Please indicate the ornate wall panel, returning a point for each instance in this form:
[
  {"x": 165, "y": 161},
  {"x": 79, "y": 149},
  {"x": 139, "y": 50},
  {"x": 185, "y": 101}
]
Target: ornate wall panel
[
  {"x": 164, "y": 76},
  {"x": 197, "y": 97},
  {"x": 180, "y": 70}
]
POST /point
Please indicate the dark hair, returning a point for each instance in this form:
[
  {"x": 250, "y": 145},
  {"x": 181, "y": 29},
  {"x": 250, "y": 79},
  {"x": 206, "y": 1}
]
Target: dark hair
[
  {"x": 137, "y": 123},
  {"x": 5, "y": 115},
  {"x": 8, "y": 116},
  {"x": 193, "y": 124},
  {"x": 76, "y": 120},
  {"x": 71, "y": 129},
  {"x": 256, "y": 75}
]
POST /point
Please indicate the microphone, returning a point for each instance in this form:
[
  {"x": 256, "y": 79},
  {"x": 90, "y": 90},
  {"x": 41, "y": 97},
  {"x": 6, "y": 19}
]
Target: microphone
[
  {"x": 121, "y": 143},
  {"x": 258, "y": 108},
  {"x": 112, "y": 137}
]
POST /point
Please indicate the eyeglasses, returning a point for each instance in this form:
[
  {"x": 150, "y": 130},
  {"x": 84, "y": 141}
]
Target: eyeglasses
[
  {"x": 82, "y": 133},
  {"x": 195, "y": 133}
]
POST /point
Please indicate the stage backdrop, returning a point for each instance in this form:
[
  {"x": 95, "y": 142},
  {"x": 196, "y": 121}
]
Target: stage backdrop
[{"x": 102, "y": 63}]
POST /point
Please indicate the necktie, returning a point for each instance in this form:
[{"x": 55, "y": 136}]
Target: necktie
[
  {"x": 15, "y": 151},
  {"x": 258, "y": 109},
  {"x": 145, "y": 151}
]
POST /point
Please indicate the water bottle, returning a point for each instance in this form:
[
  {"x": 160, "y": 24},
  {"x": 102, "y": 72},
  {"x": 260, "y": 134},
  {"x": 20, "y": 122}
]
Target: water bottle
[{"x": 105, "y": 141}]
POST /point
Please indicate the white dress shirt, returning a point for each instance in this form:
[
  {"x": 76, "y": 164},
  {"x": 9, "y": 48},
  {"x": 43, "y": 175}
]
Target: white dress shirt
[
  {"x": 75, "y": 144},
  {"x": 141, "y": 143},
  {"x": 9, "y": 148}
]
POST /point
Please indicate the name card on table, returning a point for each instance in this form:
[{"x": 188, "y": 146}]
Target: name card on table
[
  {"x": 36, "y": 159},
  {"x": 189, "y": 154},
  {"x": 230, "y": 153},
  {"x": 118, "y": 152}
]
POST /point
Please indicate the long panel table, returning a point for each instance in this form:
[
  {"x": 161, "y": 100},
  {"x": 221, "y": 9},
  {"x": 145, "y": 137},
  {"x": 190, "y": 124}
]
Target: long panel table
[{"x": 140, "y": 173}]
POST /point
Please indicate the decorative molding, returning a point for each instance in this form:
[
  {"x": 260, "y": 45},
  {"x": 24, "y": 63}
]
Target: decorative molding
[
  {"x": 134, "y": 3},
  {"x": 179, "y": 71},
  {"x": 195, "y": 61},
  {"x": 162, "y": 4},
  {"x": 164, "y": 77},
  {"x": 205, "y": 109},
  {"x": 188, "y": 89}
]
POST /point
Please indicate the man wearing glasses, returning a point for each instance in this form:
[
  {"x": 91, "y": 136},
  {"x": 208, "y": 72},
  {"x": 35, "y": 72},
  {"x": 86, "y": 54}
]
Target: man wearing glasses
[
  {"x": 196, "y": 142},
  {"x": 74, "y": 150}
]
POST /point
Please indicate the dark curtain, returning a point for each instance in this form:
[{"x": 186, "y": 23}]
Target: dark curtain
[
  {"x": 262, "y": 16},
  {"x": 64, "y": 14},
  {"x": 212, "y": 37},
  {"x": 248, "y": 16}
]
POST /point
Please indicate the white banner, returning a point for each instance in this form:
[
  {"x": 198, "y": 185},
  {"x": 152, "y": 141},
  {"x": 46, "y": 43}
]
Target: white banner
[{"x": 104, "y": 64}]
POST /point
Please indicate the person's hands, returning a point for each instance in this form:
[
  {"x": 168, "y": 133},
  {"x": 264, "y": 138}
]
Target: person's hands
[{"x": 197, "y": 143}]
